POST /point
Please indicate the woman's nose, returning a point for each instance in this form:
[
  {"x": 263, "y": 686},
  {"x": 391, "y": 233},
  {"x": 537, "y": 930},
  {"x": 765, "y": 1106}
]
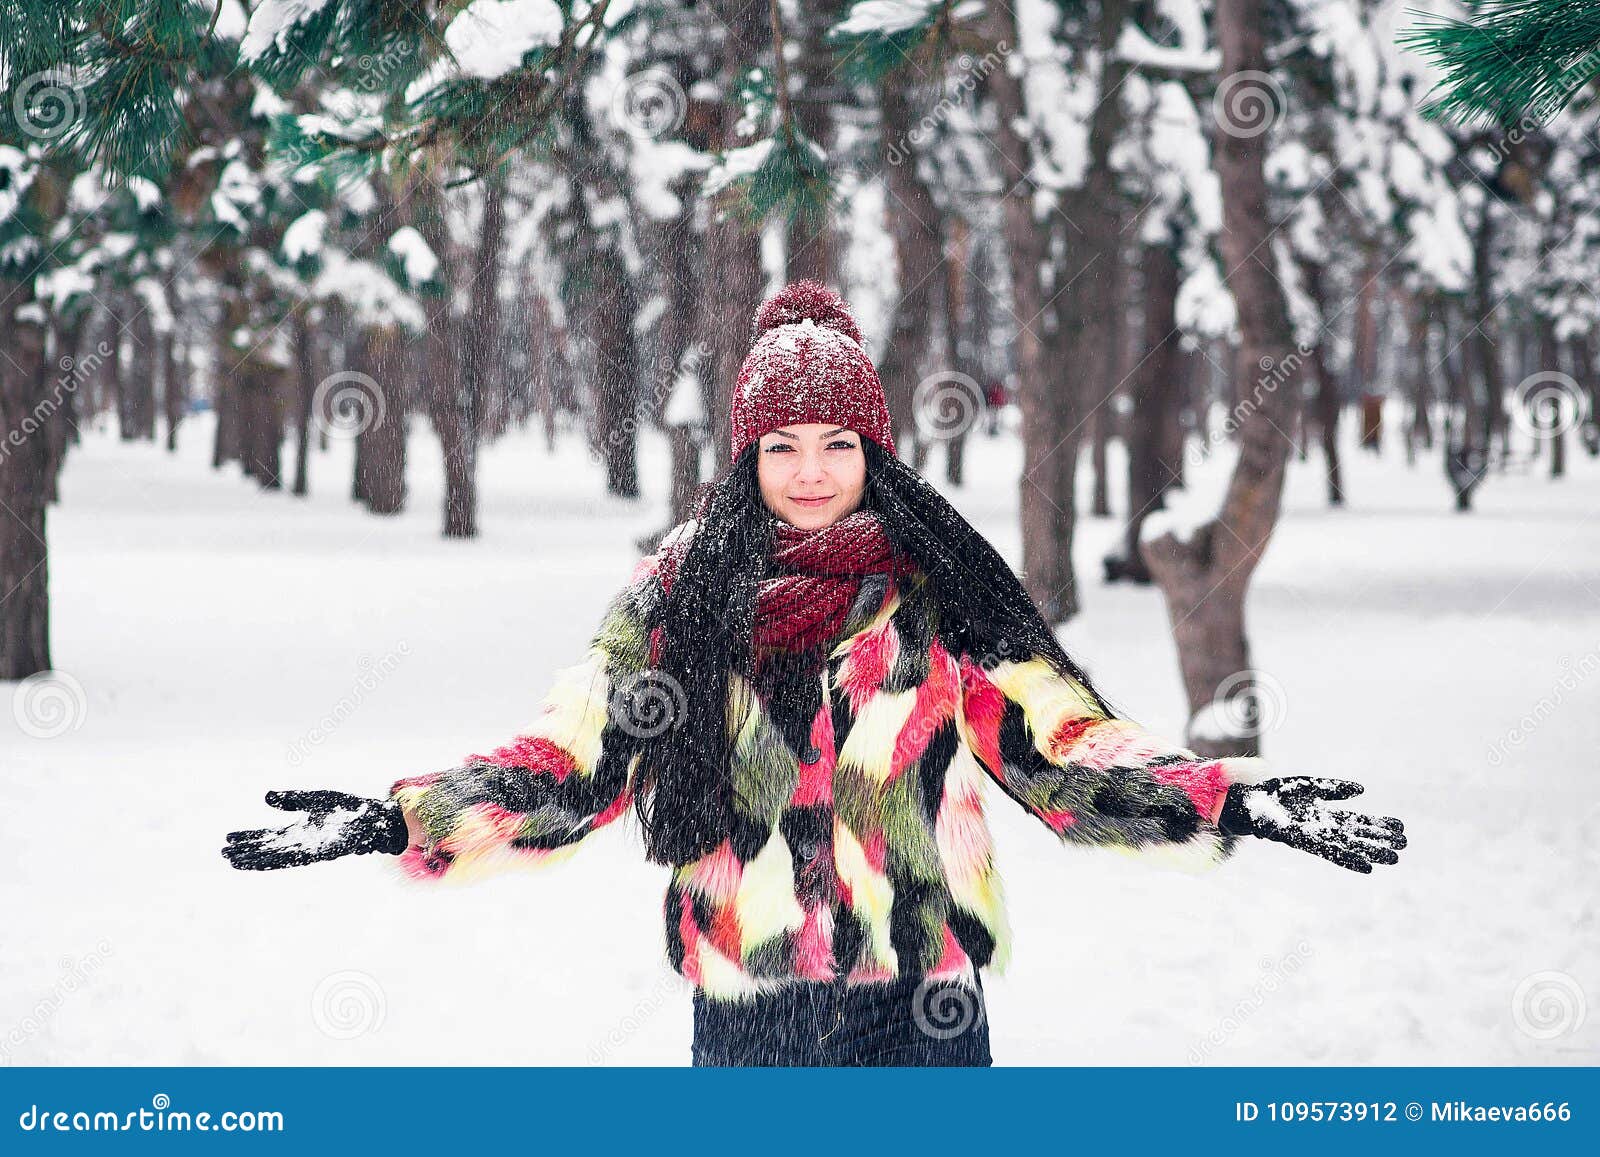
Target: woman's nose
[{"x": 810, "y": 465}]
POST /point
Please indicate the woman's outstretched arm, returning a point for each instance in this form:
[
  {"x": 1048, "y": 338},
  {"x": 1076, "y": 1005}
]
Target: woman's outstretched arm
[
  {"x": 526, "y": 802},
  {"x": 1104, "y": 781},
  {"x": 532, "y": 799}
]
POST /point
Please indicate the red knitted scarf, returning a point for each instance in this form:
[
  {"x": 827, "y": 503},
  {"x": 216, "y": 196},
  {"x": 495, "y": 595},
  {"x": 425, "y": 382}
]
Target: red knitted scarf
[
  {"x": 816, "y": 577},
  {"x": 819, "y": 574}
]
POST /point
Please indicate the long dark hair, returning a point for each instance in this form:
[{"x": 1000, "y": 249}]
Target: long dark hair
[{"x": 683, "y": 789}]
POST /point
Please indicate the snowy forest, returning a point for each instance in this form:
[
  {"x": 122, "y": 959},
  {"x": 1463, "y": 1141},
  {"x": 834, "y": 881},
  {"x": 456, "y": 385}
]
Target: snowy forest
[{"x": 352, "y": 350}]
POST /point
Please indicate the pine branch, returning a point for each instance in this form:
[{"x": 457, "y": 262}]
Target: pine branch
[
  {"x": 129, "y": 72},
  {"x": 479, "y": 123},
  {"x": 872, "y": 50},
  {"x": 531, "y": 119},
  {"x": 785, "y": 172},
  {"x": 1516, "y": 59},
  {"x": 349, "y": 32}
]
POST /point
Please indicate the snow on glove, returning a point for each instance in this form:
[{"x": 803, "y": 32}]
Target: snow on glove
[
  {"x": 337, "y": 825},
  {"x": 1291, "y": 809}
]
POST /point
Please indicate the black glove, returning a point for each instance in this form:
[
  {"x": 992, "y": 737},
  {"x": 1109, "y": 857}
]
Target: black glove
[
  {"x": 1290, "y": 809},
  {"x": 338, "y": 825}
]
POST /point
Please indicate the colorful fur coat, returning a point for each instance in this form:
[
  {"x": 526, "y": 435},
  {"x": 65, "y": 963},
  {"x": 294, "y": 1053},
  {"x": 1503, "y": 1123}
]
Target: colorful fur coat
[{"x": 860, "y": 850}]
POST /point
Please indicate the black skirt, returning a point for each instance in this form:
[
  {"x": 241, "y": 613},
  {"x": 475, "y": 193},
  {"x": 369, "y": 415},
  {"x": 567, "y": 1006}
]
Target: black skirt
[{"x": 909, "y": 1021}]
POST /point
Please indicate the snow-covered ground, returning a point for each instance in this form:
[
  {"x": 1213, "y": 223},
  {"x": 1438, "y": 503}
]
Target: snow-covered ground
[{"x": 227, "y": 642}]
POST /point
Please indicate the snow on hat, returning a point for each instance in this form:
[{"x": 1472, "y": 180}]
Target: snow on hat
[{"x": 806, "y": 364}]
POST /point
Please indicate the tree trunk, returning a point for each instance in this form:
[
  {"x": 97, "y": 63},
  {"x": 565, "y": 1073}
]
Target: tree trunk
[
  {"x": 305, "y": 377},
  {"x": 1080, "y": 345},
  {"x": 609, "y": 329},
  {"x": 969, "y": 404},
  {"x": 174, "y": 391},
  {"x": 25, "y": 412},
  {"x": 450, "y": 408},
  {"x": 1327, "y": 400},
  {"x": 382, "y": 441},
  {"x": 140, "y": 379},
  {"x": 733, "y": 252},
  {"x": 811, "y": 249},
  {"x": 1046, "y": 570},
  {"x": 912, "y": 222},
  {"x": 476, "y": 340},
  {"x": 600, "y": 299},
  {"x": 1583, "y": 370},
  {"x": 681, "y": 257},
  {"x": 117, "y": 367},
  {"x": 261, "y": 420},
  {"x": 1552, "y": 423},
  {"x": 1204, "y": 574},
  {"x": 1154, "y": 434},
  {"x": 449, "y": 412},
  {"x": 1487, "y": 354},
  {"x": 1116, "y": 370},
  {"x": 224, "y": 392},
  {"x": 61, "y": 428},
  {"x": 1364, "y": 358},
  {"x": 1465, "y": 458},
  {"x": 550, "y": 365},
  {"x": 1420, "y": 432},
  {"x": 383, "y": 354}
]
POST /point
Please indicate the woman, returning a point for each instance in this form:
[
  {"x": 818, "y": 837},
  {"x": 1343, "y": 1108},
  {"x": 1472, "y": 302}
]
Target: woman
[{"x": 802, "y": 695}]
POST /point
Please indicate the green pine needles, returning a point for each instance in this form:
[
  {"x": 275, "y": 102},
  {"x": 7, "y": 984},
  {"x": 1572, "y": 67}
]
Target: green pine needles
[
  {"x": 1513, "y": 59},
  {"x": 106, "y": 81},
  {"x": 875, "y": 40},
  {"x": 783, "y": 172}
]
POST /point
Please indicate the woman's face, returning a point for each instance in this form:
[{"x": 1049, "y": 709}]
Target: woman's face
[{"x": 812, "y": 473}]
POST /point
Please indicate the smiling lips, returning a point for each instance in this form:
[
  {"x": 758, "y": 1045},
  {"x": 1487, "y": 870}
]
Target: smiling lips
[{"x": 812, "y": 501}]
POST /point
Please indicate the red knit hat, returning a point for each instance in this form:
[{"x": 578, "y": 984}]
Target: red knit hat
[{"x": 806, "y": 364}]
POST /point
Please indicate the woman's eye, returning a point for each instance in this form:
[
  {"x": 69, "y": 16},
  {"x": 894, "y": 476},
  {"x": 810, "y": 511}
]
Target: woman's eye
[
  {"x": 842, "y": 445},
  {"x": 775, "y": 447}
]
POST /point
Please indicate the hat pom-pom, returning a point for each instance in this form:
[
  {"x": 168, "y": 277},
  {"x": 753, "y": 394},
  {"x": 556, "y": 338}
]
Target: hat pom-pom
[{"x": 804, "y": 299}]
